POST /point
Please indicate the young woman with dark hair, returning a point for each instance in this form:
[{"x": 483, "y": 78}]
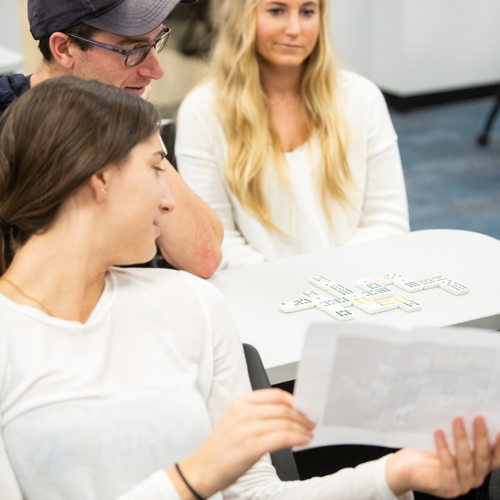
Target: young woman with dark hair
[{"x": 131, "y": 383}]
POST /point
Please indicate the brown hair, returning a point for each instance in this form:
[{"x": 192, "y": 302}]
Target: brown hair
[
  {"x": 80, "y": 29},
  {"x": 53, "y": 139}
]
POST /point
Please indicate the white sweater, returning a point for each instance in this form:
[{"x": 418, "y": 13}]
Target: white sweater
[
  {"x": 379, "y": 207},
  {"x": 98, "y": 411}
]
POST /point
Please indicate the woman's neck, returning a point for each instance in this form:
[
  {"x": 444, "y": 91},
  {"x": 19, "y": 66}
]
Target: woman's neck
[
  {"x": 278, "y": 81},
  {"x": 282, "y": 87},
  {"x": 59, "y": 275}
]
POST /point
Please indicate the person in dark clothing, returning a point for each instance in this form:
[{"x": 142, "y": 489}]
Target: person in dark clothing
[
  {"x": 117, "y": 42},
  {"x": 12, "y": 86}
]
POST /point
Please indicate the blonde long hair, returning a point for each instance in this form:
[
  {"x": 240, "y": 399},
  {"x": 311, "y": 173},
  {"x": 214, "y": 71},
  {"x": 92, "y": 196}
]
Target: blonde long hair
[{"x": 244, "y": 112}]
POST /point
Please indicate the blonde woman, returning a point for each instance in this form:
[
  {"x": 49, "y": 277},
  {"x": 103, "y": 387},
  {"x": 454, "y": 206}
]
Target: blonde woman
[{"x": 293, "y": 154}]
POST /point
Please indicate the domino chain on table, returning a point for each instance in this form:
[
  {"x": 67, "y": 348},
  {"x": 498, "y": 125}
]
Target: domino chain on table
[{"x": 376, "y": 297}]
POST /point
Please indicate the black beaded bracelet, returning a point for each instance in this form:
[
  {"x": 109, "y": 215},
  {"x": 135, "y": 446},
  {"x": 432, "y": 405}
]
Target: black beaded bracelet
[{"x": 187, "y": 484}]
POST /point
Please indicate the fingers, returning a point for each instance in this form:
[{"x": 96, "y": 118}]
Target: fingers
[
  {"x": 455, "y": 475},
  {"x": 465, "y": 461},
  {"x": 269, "y": 421},
  {"x": 282, "y": 438},
  {"x": 467, "y": 469},
  {"x": 273, "y": 403},
  {"x": 483, "y": 453},
  {"x": 456, "y": 471},
  {"x": 278, "y": 423},
  {"x": 273, "y": 411},
  {"x": 270, "y": 396},
  {"x": 448, "y": 476}
]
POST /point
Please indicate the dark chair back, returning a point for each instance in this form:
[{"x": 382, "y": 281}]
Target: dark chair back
[
  {"x": 282, "y": 460},
  {"x": 167, "y": 133}
]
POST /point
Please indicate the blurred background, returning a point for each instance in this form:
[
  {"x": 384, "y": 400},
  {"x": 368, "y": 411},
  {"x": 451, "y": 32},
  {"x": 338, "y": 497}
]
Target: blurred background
[{"x": 437, "y": 62}]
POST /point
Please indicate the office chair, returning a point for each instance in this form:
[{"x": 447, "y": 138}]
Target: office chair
[
  {"x": 483, "y": 138},
  {"x": 167, "y": 134},
  {"x": 490, "y": 489},
  {"x": 282, "y": 460}
]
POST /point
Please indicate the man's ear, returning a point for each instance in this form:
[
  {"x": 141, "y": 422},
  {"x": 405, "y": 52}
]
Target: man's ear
[{"x": 62, "y": 49}]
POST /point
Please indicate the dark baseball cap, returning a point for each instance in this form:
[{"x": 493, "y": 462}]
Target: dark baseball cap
[{"x": 121, "y": 17}]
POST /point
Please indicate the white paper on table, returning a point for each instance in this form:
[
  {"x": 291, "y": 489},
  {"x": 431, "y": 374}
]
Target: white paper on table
[{"x": 375, "y": 385}]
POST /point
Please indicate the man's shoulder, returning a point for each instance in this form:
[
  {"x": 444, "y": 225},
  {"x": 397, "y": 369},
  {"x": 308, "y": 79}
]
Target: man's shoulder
[{"x": 12, "y": 87}]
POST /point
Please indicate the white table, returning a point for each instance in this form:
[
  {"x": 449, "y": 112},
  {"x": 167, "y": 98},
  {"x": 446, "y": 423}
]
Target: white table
[{"x": 255, "y": 292}]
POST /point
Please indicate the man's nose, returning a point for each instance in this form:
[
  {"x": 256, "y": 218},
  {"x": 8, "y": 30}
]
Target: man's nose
[{"x": 151, "y": 66}]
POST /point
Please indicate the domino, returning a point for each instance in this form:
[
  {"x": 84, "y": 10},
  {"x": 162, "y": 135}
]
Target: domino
[
  {"x": 380, "y": 306},
  {"x": 343, "y": 301},
  {"x": 297, "y": 305},
  {"x": 320, "y": 281},
  {"x": 323, "y": 304},
  {"x": 453, "y": 287},
  {"x": 361, "y": 302},
  {"x": 312, "y": 295},
  {"x": 368, "y": 285},
  {"x": 339, "y": 290},
  {"x": 380, "y": 293},
  {"x": 331, "y": 288},
  {"x": 340, "y": 314},
  {"x": 383, "y": 279},
  {"x": 407, "y": 284},
  {"x": 388, "y": 302},
  {"x": 433, "y": 282},
  {"x": 392, "y": 276},
  {"x": 407, "y": 304}
]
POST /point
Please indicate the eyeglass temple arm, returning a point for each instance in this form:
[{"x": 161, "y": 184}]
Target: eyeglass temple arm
[{"x": 113, "y": 48}]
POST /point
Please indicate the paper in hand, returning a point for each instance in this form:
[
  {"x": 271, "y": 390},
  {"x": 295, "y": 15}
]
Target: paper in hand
[{"x": 374, "y": 385}]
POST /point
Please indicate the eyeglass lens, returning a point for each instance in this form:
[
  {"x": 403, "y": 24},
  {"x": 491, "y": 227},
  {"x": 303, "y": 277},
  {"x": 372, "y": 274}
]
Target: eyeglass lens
[{"x": 138, "y": 55}]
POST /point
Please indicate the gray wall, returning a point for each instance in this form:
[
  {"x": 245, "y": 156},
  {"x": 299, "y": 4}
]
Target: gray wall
[{"x": 418, "y": 46}]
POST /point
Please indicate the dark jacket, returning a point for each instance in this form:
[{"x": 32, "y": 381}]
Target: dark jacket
[{"x": 11, "y": 87}]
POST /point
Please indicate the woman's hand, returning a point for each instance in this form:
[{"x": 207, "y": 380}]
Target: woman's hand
[
  {"x": 254, "y": 424},
  {"x": 443, "y": 474}
]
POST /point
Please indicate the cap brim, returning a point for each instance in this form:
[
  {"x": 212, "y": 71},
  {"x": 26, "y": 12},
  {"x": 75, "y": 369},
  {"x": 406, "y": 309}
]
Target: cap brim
[{"x": 135, "y": 17}]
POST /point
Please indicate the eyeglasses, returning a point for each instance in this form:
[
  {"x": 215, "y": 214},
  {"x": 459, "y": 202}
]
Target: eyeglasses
[{"x": 134, "y": 56}]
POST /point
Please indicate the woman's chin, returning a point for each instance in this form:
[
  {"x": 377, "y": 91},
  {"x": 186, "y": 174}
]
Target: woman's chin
[{"x": 142, "y": 258}]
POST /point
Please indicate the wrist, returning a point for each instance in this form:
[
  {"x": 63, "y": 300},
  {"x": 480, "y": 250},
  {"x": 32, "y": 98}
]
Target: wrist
[
  {"x": 179, "y": 484},
  {"x": 199, "y": 475},
  {"x": 189, "y": 481},
  {"x": 397, "y": 474},
  {"x": 186, "y": 482}
]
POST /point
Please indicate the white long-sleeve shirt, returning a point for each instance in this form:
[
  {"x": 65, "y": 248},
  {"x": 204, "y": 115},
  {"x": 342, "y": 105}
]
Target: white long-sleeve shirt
[
  {"x": 379, "y": 207},
  {"x": 98, "y": 411}
]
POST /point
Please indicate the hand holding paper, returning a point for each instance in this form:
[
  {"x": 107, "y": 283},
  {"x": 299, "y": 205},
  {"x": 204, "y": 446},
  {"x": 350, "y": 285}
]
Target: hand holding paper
[
  {"x": 443, "y": 474},
  {"x": 373, "y": 385}
]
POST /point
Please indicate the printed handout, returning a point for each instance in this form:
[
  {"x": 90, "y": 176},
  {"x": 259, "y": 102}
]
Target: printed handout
[{"x": 374, "y": 385}]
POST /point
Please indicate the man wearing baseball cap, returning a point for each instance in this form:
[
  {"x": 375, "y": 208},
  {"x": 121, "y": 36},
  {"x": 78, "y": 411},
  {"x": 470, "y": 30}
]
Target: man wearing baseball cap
[{"x": 117, "y": 42}]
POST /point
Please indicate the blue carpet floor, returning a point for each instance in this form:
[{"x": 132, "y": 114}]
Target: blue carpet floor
[{"x": 451, "y": 181}]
